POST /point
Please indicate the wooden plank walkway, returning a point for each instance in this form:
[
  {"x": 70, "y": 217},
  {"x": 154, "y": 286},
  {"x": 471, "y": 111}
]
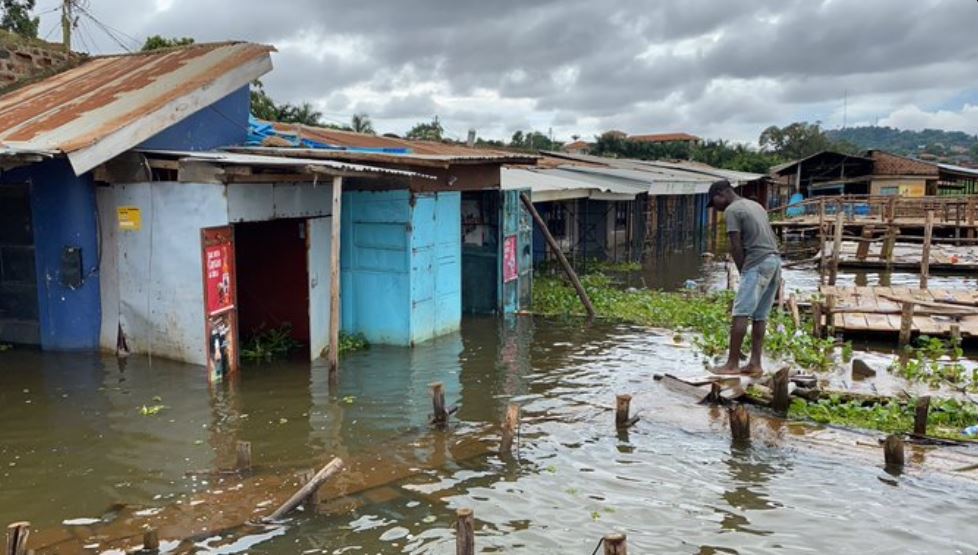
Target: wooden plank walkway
[
  {"x": 882, "y": 310},
  {"x": 907, "y": 256}
]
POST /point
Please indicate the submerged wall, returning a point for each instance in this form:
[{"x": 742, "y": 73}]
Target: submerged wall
[{"x": 401, "y": 265}]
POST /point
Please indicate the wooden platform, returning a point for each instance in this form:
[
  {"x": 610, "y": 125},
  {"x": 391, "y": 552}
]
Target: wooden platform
[
  {"x": 907, "y": 256},
  {"x": 881, "y": 310}
]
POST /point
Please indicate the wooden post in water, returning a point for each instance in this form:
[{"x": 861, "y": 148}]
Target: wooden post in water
[
  {"x": 244, "y": 455},
  {"x": 510, "y": 428},
  {"x": 817, "y": 318},
  {"x": 920, "y": 416},
  {"x": 793, "y": 307},
  {"x": 571, "y": 275},
  {"x": 334, "y": 280},
  {"x": 439, "y": 414},
  {"x": 151, "y": 541},
  {"x": 925, "y": 252},
  {"x": 862, "y": 250},
  {"x": 325, "y": 473},
  {"x": 739, "y": 423},
  {"x": 906, "y": 324},
  {"x": 622, "y": 408},
  {"x": 779, "y": 386},
  {"x": 615, "y": 544},
  {"x": 837, "y": 243},
  {"x": 464, "y": 532},
  {"x": 829, "y": 314},
  {"x": 821, "y": 240},
  {"x": 17, "y": 534},
  {"x": 893, "y": 452}
]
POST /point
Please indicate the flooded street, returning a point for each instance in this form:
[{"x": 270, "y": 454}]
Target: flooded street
[{"x": 76, "y": 442}]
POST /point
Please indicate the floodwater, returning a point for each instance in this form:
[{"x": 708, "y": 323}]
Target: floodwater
[{"x": 74, "y": 442}]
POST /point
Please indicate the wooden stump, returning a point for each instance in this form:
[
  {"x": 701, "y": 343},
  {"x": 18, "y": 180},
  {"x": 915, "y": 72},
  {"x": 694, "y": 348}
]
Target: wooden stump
[
  {"x": 893, "y": 452},
  {"x": 244, "y": 455},
  {"x": 955, "y": 339},
  {"x": 739, "y": 423},
  {"x": 622, "y": 407},
  {"x": 906, "y": 323},
  {"x": 781, "y": 299},
  {"x": 829, "y": 314},
  {"x": 615, "y": 544},
  {"x": 779, "y": 386},
  {"x": 510, "y": 428},
  {"x": 816, "y": 319},
  {"x": 151, "y": 540},
  {"x": 920, "y": 416},
  {"x": 439, "y": 413},
  {"x": 862, "y": 250},
  {"x": 17, "y": 534},
  {"x": 464, "y": 532},
  {"x": 795, "y": 313}
]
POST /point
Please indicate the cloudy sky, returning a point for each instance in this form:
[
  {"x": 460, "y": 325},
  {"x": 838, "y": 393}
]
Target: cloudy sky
[{"x": 716, "y": 68}]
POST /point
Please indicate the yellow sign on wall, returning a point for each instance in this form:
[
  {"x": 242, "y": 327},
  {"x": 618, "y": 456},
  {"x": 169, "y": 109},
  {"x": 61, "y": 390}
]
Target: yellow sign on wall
[
  {"x": 912, "y": 189},
  {"x": 130, "y": 218}
]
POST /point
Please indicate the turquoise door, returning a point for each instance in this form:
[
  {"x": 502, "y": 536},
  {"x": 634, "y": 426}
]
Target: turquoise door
[{"x": 516, "y": 249}]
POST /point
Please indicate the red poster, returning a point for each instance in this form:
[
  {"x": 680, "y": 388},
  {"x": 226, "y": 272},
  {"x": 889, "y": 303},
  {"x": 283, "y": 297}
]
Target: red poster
[
  {"x": 219, "y": 280},
  {"x": 510, "y": 269}
]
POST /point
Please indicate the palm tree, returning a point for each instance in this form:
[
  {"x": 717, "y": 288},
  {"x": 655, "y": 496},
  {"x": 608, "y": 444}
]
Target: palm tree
[
  {"x": 361, "y": 123},
  {"x": 303, "y": 113}
]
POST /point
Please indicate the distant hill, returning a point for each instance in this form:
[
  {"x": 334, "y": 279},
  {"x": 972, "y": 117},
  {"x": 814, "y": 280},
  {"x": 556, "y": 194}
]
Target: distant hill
[{"x": 952, "y": 146}]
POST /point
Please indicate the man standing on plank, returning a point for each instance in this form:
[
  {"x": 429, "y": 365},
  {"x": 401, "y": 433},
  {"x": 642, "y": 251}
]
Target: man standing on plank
[{"x": 755, "y": 252}]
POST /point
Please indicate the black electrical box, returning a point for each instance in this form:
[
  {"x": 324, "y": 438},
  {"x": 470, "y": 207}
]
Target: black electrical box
[{"x": 71, "y": 267}]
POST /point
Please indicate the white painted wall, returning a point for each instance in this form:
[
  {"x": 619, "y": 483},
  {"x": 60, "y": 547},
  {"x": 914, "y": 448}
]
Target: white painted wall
[{"x": 318, "y": 239}]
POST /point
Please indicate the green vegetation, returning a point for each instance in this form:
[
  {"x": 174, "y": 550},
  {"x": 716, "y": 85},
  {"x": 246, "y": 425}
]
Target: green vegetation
[
  {"x": 157, "y": 42},
  {"x": 17, "y": 17},
  {"x": 943, "y": 144},
  {"x": 799, "y": 140},
  {"x": 935, "y": 362},
  {"x": 151, "y": 410},
  {"x": 350, "y": 342},
  {"x": 267, "y": 345},
  {"x": 946, "y": 419},
  {"x": 426, "y": 131},
  {"x": 706, "y": 315}
]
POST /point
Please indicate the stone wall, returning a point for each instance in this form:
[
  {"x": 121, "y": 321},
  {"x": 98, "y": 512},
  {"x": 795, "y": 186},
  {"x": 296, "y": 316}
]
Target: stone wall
[{"x": 22, "y": 58}]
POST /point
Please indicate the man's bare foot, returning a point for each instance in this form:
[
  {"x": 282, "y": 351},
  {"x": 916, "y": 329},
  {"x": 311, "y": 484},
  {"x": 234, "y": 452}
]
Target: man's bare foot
[
  {"x": 750, "y": 369},
  {"x": 726, "y": 370}
]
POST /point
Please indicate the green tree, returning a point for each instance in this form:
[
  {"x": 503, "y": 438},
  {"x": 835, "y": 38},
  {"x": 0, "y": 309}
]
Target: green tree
[
  {"x": 17, "y": 17},
  {"x": 262, "y": 105},
  {"x": 797, "y": 140},
  {"x": 361, "y": 123},
  {"x": 157, "y": 42},
  {"x": 430, "y": 131},
  {"x": 533, "y": 141},
  {"x": 299, "y": 113}
]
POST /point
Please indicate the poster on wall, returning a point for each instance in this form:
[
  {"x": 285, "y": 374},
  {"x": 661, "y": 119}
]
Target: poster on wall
[
  {"x": 510, "y": 267},
  {"x": 220, "y": 310}
]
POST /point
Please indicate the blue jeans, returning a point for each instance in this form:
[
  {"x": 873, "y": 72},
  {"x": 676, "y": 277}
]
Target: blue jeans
[{"x": 758, "y": 286}]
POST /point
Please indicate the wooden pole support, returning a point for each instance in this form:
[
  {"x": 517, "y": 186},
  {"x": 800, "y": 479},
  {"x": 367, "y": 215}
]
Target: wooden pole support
[
  {"x": 821, "y": 240},
  {"x": 151, "y": 540},
  {"x": 779, "y": 386},
  {"x": 439, "y": 412},
  {"x": 17, "y": 534},
  {"x": 571, "y": 275},
  {"x": 781, "y": 299},
  {"x": 925, "y": 253},
  {"x": 510, "y": 428},
  {"x": 622, "y": 407},
  {"x": 244, "y": 455},
  {"x": 739, "y": 423},
  {"x": 795, "y": 313},
  {"x": 920, "y": 416},
  {"x": 325, "y": 473},
  {"x": 955, "y": 330},
  {"x": 334, "y": 280},
  {"x": 836, "y": 243},
  {"x": 816, "y": 318},
  {"x": 615, "y": 544},
  {"x": 893, "y": 452},
  {"x": 906, "y": 323},
  {"x": 862, "y": 250},
  {"x": 830, "y": 314},
  {"x": 464, "y": 532}
]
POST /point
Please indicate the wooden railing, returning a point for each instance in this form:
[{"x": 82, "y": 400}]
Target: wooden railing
[{"x": 961, "y": 211}]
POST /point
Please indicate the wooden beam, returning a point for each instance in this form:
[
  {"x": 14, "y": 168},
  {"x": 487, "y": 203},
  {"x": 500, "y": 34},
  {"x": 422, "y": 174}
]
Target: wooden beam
[
  {"x": 925, "y": 253},
  {"x": 334, "y": 278}
]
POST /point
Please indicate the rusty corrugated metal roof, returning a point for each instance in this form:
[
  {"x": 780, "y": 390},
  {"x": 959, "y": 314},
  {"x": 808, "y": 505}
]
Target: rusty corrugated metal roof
[
  {"x": 663, "y": 138},
  {"x": 110, "y": 104}
]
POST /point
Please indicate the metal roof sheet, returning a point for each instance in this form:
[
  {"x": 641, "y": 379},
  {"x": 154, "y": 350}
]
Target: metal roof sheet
[
  {"x": 557, "y": 184},
  {"x": 237, "y": 159},
  {"x": 110, "y": 104}
]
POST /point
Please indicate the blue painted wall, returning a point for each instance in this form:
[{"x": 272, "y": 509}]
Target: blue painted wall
[
  {"x": 64, "y": 214},
  {"x": 400, "y": 265},
  {"x": 221, "y": 124}
]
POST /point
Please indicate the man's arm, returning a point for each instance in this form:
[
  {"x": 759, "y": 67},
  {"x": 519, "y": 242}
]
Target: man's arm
[{"x": 736, "y": 249}]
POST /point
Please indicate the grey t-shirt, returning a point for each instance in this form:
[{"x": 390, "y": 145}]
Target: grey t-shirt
[{"x": 750, "y": 219}]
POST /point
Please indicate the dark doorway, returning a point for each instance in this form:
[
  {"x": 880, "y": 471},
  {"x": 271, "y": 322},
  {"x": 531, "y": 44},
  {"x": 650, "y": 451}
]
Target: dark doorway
[
  {"x": 273, "y": 281},
  {"x": 18, "y": 276},
  {"x": 480, "y": 252}
]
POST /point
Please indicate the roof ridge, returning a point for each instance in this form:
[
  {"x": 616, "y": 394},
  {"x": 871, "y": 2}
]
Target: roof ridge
[{"x": 167, "y": 50}]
